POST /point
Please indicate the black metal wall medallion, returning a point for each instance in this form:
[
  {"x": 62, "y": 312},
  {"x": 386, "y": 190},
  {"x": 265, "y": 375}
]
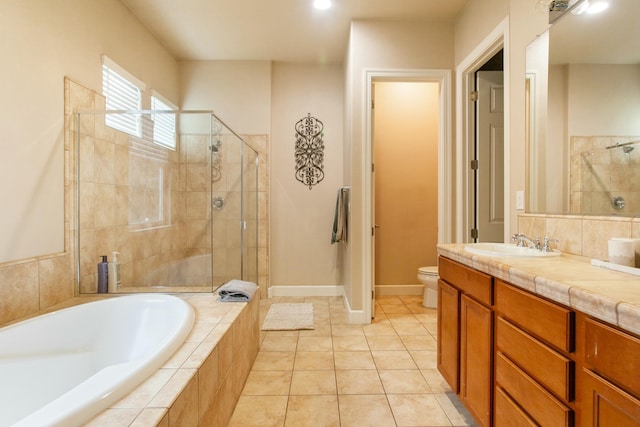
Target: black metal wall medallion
[{"x": 309, "y": 151}]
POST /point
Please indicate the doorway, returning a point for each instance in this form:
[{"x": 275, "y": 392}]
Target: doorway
[
  {"x": 405, "y": 149},
  {"x": 488, "y": 161},
  {"x": 465, "y": 221},
  {"x": 445, "y": 202}
]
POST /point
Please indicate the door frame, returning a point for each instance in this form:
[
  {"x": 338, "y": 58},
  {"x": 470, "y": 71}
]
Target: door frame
[
  {"x": 445, "y": 162},
  {"x": 497, "y": 39}
]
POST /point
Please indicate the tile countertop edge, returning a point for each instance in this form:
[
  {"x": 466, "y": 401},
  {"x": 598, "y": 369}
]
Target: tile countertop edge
[{"x": 616, "y": 311}]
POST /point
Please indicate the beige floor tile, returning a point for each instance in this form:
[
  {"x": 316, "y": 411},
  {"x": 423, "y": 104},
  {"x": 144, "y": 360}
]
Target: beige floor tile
[
  {"x": 402, "y": 318},
  {"x": 353, "y": 360},
  {"x": 347, "y": 330},
  {"x": 393, "y": 359},
  {"x": 417, "y": 410},
  {"x": 359, "y": 410},
  {"x": 319, "y": 331},
  {"x": 350, "y": 343},
  {"x": 313, "y": 360},
  {"x": 419, "y": 342},
  {"x": 362, "y": 381},
  {"x": 380, "y": 328},
  {"x": 394, "y": 308},
  {"x": 411, "y": 329},
  {"x": 268, "y": 383},
  {"x": 263, "y": 411},
  {"x": 313, "y": 382},
  {"x": 312, "y": 411},
  {"x": 385, "y": 342},
  {"x": 279, "y": 343},
  {"x": 436, "y": 381},
  {"x": 457, "y": 413},
  {"x": 425, "y": 359},
  {"x": 319, "y": 378},
  {"x": 399, "y": 381},
  {"x": 315, "y": 343},
  {"x": 274, "y": 361}
]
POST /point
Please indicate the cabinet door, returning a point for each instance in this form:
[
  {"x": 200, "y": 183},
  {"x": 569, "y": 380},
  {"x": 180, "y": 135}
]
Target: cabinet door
[
  {"x": 476, "y": 348},
  {"x": 448, "y": 333},
  {"x": 606, "y": 405}
]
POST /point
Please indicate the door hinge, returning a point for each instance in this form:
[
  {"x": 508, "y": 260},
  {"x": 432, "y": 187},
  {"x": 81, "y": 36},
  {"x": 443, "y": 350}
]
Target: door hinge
[
  {"x": 473, "y": 96},
  {"x": 373, "y": 168},
  {"x": 373, "y": 231},
  {"x": 474, "y": 164},
  {"x": 373, "y": 104},
  {"x": 474, "y": 233}
]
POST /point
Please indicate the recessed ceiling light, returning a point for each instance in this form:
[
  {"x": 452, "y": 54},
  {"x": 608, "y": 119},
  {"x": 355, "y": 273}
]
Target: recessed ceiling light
[{"x": 322, "y": 4}]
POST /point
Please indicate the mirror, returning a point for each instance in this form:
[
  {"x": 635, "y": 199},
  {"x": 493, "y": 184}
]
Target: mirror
[{"x": 583, "y": 113}]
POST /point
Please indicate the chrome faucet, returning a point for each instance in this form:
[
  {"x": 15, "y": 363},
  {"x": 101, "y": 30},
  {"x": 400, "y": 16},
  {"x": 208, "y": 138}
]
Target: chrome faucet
[
  {"x": 523, "y": 241},
  {"x": 546, "y": 246}
]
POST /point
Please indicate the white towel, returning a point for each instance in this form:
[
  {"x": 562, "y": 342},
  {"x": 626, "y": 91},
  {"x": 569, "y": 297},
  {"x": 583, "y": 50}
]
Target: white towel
[
  {"x": 237, "y": 290},
  {"x": 340, "y": 220}
]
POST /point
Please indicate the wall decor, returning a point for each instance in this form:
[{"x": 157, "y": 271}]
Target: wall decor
[{"x": 309, "y": 153}]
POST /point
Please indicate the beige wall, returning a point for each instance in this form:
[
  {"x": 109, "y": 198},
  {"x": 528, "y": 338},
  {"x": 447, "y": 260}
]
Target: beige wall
[
  {"x": 302, "y": 218},
  {"x": 380, "y": 45},
  {"x": 45, "y": 41},
  {"x": 239, "y": 92},
  {"x": 406, "y": 119}
]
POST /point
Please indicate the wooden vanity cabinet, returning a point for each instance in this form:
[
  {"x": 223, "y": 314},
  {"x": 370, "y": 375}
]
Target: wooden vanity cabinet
[
  {"x": 517, "y": 359},
  {"x": 465, "y": 336},
  {"x": 534, "y": 344},
  {"x": 610, "y": 379}
]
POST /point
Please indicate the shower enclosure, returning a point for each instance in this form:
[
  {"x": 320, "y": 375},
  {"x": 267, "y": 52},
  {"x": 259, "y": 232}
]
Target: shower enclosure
[{"x": 174, "y": 194}]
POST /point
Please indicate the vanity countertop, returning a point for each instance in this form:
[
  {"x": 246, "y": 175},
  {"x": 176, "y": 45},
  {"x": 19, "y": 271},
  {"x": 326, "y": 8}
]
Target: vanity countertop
[{"x": 571, "y": 280}]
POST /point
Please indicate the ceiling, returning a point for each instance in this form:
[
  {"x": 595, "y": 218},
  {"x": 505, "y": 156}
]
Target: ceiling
[{"x": 277, "y": 30}]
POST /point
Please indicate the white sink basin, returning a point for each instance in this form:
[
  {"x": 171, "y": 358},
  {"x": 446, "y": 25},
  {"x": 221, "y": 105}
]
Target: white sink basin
[{"x": 506, "y": 249}]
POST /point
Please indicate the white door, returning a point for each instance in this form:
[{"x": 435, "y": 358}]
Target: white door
[{"x": 490, "y": 156}]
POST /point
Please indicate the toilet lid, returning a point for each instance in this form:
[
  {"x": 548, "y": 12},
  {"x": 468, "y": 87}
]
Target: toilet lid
[{"x": 428, "y": 271}]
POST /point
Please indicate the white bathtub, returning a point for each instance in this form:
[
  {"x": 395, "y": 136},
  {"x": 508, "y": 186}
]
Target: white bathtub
[{"x": 63, "y": 368}]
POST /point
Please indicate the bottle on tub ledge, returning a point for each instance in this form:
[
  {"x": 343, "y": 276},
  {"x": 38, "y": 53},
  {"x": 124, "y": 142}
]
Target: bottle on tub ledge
[
  {"x": 103, "y": 275},
  {"x": 114, "y": 274}
]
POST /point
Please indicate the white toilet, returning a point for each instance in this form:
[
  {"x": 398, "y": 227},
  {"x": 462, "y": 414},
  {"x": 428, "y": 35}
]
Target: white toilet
[{"x": 428, "y": 276}]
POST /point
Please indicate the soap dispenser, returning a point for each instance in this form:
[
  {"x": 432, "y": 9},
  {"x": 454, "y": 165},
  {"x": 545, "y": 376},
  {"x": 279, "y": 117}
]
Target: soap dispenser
[
  {"x": 114, "y": 274},
  {"x": 103, "y": 275}
]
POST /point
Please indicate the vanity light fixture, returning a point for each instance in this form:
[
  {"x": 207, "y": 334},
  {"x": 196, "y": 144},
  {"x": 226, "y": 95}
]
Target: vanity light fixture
[
  {"x": 590, "y": 7},
  {"x": 322, "y": 4}
]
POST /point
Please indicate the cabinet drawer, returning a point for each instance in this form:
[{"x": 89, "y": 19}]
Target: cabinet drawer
[
  {"x": 468, "y": 280},
  {"x": 549, "y": 322},
  {"x": 508, "y": 413},
  {"x": 546, "y": 365},
  {"x": 613, "y": 355},
  {"x": 545, "y": 409}
]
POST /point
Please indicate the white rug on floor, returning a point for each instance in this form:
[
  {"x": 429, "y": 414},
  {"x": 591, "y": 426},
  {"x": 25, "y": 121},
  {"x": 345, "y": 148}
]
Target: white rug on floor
[{"x": 288, "y": 317}]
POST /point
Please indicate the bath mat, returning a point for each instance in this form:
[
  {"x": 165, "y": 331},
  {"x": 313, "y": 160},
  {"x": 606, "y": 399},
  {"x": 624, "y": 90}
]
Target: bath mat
[{"x": 288, "y": 317}]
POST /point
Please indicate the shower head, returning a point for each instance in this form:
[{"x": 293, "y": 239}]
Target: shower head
[{"x": 627, "y": 149}]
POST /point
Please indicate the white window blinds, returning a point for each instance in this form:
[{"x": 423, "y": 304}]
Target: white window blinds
[
  {"x": 122, "y": 92},
  {"x": 164, "y": 124}
]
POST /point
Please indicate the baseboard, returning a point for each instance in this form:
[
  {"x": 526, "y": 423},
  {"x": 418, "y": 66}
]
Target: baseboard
[
  {"x": 391, "y": 290},
  {"x": 306, "y": 291},
  {"x": 356, "y": 316}
]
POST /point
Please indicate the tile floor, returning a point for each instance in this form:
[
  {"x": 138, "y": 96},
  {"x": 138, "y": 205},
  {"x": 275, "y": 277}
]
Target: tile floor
[{"x": 382, "y": 374}]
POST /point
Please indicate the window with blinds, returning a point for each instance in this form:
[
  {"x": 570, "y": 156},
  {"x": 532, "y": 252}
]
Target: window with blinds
[
  {"x": 164, "y": 122},
  {"x": 122, "y": 92}
]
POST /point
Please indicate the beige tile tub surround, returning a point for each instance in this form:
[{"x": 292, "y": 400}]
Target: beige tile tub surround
[
  {"x": 201, "y": 383},
  {"x": 608, "y": 295}
]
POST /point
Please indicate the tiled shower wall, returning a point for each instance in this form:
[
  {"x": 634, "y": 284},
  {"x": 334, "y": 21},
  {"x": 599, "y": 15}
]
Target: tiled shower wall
[
  {"x": 598, "y": 174},
  {"x": 31, "y": 285}
]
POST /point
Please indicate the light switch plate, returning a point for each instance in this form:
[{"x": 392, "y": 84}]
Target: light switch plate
[{"x": 520, "y": 200}]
